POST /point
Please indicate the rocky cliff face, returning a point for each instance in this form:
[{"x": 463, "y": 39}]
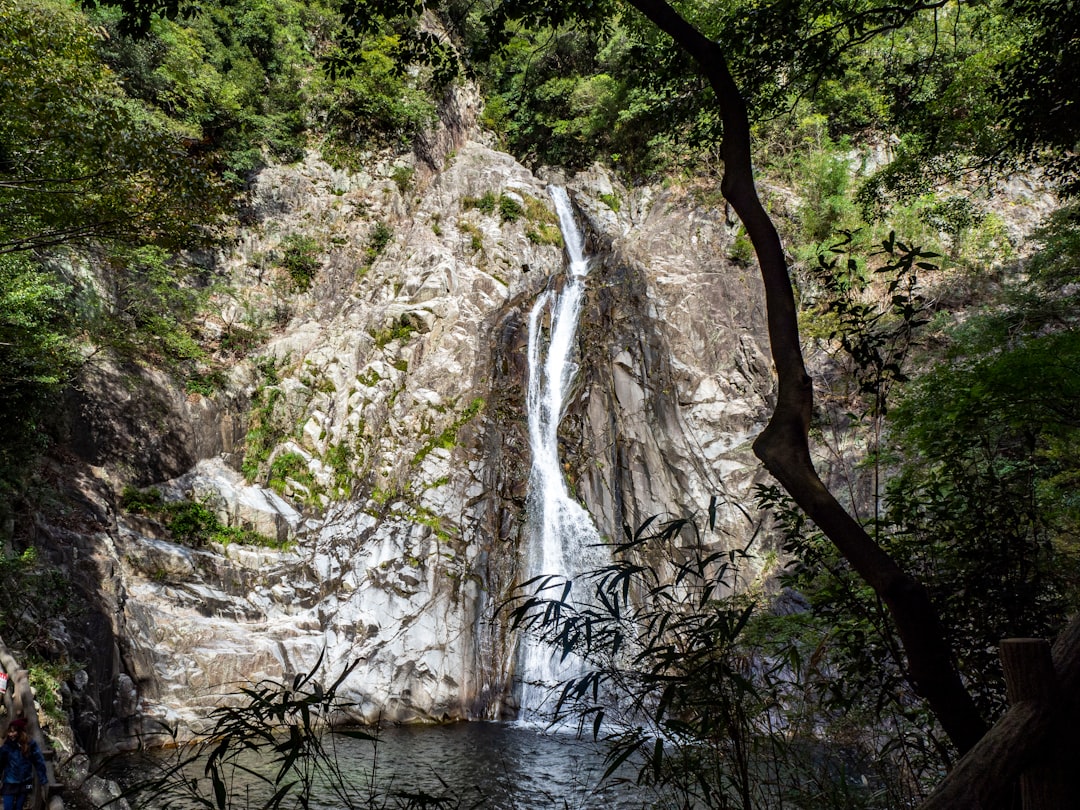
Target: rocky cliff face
[{"x": 378, "y": 417}]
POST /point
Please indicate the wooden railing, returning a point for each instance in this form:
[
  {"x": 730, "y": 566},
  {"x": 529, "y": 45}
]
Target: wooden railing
[
  {"x": 1035, "y": 742},
  {"x": 19, "y": 702}
]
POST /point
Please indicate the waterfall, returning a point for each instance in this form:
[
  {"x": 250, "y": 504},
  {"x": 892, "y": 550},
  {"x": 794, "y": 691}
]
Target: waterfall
[{"x": 563, "y": 540}]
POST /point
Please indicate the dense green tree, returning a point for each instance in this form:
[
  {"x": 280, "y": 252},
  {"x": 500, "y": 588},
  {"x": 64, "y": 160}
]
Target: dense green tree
[
  {"x": 251, "y": 81},
  {"x": 79, "y": 160},
  {"x": 568, "y": 97},
  {"x": 82, "y": 165},
  {"x": 37, "y": 357},
  {"x": 979, "y": 503},
  {"x": 1040, "y": 88},
  {"x": 227, "y": 78}
]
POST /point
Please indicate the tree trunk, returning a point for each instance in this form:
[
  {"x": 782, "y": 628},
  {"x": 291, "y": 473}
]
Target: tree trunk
[{"x": 783, "y": 446}]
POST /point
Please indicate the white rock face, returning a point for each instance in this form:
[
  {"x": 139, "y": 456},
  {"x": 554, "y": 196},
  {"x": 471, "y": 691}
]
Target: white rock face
[
  {"x": 387, "y": 441},
  {"x": 234, "y": 501},
  {"x": 678, "y": 363}
]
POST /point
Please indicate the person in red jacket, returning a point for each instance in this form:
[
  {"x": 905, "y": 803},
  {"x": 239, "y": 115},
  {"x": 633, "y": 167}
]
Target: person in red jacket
[{"x": 19, "y": 758}]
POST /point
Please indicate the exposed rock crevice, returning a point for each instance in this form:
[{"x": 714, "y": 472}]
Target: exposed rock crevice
[{"x": 394, "y": 388}]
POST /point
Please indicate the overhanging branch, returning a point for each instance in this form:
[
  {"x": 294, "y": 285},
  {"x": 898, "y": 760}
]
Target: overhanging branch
[{"x": 783, "y": 446}]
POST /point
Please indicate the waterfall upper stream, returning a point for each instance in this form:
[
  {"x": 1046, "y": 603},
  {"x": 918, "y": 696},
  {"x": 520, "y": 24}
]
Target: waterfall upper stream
[{"x": 563, "y": 541}]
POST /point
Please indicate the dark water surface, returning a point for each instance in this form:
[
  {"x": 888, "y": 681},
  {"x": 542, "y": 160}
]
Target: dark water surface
[{"x": 494, "y": 766}]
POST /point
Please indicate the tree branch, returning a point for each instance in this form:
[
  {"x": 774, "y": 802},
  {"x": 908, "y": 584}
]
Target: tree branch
[{"x": 783, "y": 446}]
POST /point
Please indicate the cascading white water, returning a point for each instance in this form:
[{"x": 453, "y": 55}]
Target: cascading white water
[{"x": 563, "y": 540}]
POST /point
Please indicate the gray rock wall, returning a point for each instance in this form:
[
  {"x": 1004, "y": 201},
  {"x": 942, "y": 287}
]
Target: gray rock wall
[{"x": 394, "y": 389}]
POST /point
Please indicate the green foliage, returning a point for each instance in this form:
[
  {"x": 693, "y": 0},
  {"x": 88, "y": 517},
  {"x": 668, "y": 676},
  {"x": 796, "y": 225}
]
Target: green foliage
[
  {"x": 539, "y": 212},
  {"x": 565, "y": 83},
  {"x": 251, "y": 79},
  {"x": 226, "y": 76},
  {"x": 742, "y": 249},
  {"x": 80, "y": 160},
  {"x": 1038, "y": 80},
  {"x": 510, "y": 210},
  {"x": 402, "y": 330},
  {"x": 205, "y": 384},
  {"x": 1041, "y": 303},
  {"x": 365, "y": 99},
  {"x": 827, "y": 206},
  {"x": 300, "y": 258},
  {"x": 422, "y": 516},
  {"x": 476, "y": 236},
  {"x": 384, "y": 495},
  {"x": 875, "y": 339},
  {"x": 37, "y": 357},
  {"x": 339, "y": 457},
  {"x": 81, "y": 163},
  {"x": 189, "y": 522},
  {"x": 265, "y": 429},
  {"x": 981, "y": 510},
  {"x": 544, "y": 234},
  {"x": 991, "y": 443},
  {"x": 1057, "y": 264},
  {"x": 39, "y": 596},
  {"x": 611, "y": 201},
  {"x": 401, "y": 176},
  {"x": 953, "y": 215},
  {"x": 572, "y": 94},
  {"x": 542, "y": 225},
  {"x": 369, "y": 378},
  {"x": 47, "y": 680},
  {"x": 148, "y": 312},
  {"x": 449, "y": 436},
  {"x": 193, "y": 523},
  {"x": 943, "y": 103},
  {"x": 380, "y": 237},
  {"x": 978, "y": 505},
  {"x": 142, "y": 501},
  {"x": 289, "y": 466},
  {"x": 224, "y": 535},
  {"x": 485, "y": 204}
]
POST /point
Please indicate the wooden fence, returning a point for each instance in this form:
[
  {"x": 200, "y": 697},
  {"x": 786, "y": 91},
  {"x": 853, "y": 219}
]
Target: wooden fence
[
  {"x": 1035, "y": 743},
  {"x": 19, "y": 702}
]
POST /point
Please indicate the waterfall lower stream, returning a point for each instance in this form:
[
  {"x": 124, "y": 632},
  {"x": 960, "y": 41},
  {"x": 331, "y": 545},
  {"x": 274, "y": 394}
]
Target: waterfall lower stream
[{"x": 563, "y": 541}]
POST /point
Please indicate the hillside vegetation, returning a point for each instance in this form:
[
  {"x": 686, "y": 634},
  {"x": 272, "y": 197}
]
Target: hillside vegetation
[{"x": 892, "y": 144}]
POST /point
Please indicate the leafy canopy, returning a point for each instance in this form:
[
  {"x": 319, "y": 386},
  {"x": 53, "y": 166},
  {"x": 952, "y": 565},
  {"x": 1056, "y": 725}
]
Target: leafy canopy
[{"x": 79, "y": 160}]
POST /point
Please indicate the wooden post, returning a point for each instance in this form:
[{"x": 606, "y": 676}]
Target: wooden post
[
  {"x": 1030, "y": 676},
  {"x": 1027, "y": 732}
]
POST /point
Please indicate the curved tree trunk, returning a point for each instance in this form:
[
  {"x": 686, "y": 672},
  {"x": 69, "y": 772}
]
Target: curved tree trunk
[{"x": 783, "y": 446}]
